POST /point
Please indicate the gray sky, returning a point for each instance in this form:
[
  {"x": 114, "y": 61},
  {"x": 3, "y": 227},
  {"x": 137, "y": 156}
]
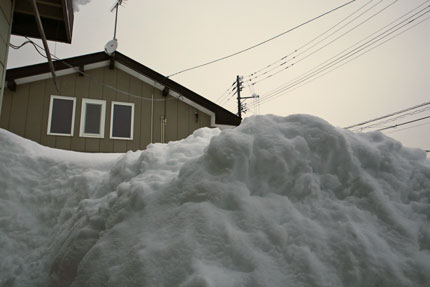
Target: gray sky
[{"x": 171, "y": 35}]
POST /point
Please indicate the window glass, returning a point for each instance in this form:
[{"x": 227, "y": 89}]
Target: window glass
[
  {"x": 122, "y": 120},
  {"x": 93, "y": 118},
  {"x": 61, "y": 116}
]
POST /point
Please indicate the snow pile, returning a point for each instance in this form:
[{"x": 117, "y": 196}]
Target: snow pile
[
  {"x": 275, "y": 202},
  {"x": 77, "y": 3}
]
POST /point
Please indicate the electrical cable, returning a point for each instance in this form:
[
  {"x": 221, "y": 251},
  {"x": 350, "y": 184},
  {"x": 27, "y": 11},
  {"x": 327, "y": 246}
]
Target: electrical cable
[
  {"x": 227, "y": 92},
  {"x": 20, "y": 46},
  {"x": 310, "y": 71},
  {"x": 337, "y": 38},
  {"x": 261, "y": 43},
  {"x": 405, "y": 123},
  {"x": 352, "y": 59},
  {"x": 255, "y": 74},
  {"x": 389, "y": 115},
  {"x": 318, "y": 69},
  {"x": 389, "y": 120},
  {"x": 408, "y": 128}
]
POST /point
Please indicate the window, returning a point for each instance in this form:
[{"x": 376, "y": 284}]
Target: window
[
  {"x": 61, "y": 116},
  {"x": 122, "y": 121},
  {"x": 93, "y": 118}
]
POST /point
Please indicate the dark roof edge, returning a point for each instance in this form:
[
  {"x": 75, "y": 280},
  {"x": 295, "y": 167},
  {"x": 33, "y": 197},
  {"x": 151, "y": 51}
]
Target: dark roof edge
[{"x": 222, "y": 116}]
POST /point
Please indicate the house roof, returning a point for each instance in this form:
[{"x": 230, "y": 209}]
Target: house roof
[
  {"x": 222, "y": 116},
  {"x": 56, "y": 17}
]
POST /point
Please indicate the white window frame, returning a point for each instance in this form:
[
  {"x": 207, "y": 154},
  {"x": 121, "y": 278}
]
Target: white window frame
[
  {"x": 53, "y": 97},
  {"x": 102, "y": 118},
  {"x": 132, "y": 120}
]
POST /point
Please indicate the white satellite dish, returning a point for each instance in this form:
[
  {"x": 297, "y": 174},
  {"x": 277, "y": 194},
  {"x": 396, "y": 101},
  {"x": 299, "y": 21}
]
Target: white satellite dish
[{"x": 111, "y": 47}]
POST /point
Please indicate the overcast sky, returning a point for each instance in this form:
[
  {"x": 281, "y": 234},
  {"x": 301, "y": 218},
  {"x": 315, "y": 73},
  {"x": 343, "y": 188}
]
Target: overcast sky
[{"x": 171, "y": 35}]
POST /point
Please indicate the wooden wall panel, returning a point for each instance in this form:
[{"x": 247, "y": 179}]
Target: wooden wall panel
[
  {"x": 34, "y": 125},
  {"x": 158, "y": 113},
  {"x": 82, "y": 84},
  {"x": 95, "y": 91},
  {"x": 183, "y": 119},
  {"x": 172, "y": 119},
  {"x": 67, "y": 89},
  {"x": 145, "y": 115},
  {"x": 6, "y": 109},
  {"x": 50, "y": 89},
  {"x": 193, "y": 121},
  {"x": 136, "y": 89},
  {"x": 204, "y": 120},
  {"x": 109, "y": 77},
  {"x": 123, "y": 86},
  {"x": 18, "y": 114}
]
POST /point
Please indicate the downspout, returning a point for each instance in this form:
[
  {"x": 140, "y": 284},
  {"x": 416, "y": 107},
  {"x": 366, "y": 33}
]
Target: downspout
[
  {"x": 165, "y": 93},
  {"x": 162, "y": 129},
  {"x": 152, "y": 117}
]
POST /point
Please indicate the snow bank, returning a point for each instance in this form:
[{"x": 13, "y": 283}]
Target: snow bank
[{"x": 275, "y": 202}]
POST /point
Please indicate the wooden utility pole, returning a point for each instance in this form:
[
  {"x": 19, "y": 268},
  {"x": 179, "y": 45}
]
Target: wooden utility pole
[
  {"x": 238, "y": 89},
  {"x": 240, "y": 108}
]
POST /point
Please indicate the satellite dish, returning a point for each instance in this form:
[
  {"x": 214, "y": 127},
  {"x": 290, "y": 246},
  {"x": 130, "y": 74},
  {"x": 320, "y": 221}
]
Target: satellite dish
[{"x": 111, "y": 47}]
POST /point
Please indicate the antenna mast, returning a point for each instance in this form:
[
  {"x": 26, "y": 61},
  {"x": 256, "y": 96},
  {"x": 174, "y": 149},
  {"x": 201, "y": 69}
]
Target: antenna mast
[
  {"x": 112, "y": 45},
  {"x": 116, "y": 7}
]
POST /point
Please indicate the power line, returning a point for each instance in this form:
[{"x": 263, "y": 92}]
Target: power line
[
  {"x": 315, "y": 77},
  {"x": 389, "y": 115},
  {"x": 337, "y": 38},
  {"x": 230, "y": 89},
  {"x": 255, "y": 74},
  {"x": 389, "y": 120},
  {"x": 405, "y": 123},
  {"x": 408, "y": 128},
  {"x": 324, "y": 65},
  {"x": 261, "y": 43},
  {"x": 312, "y": 73}
]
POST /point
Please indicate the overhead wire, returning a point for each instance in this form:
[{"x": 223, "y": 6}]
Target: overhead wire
[
  {"x": 404, "y": 123},
  {"x": 346, "y": 32},
  {"x": 325, "y": 72},
  {"x": 388, "y": 116},
  {"x": 408, "y": 128},
  {"x": 335, "y": 39},
  {"x": 227, "y": 92},
  {"x": 334, "y": 61},
  {"x": 389, "y": 120},
  {"x": 261, "y": 43},
  {"x": 284, "y": 59}
]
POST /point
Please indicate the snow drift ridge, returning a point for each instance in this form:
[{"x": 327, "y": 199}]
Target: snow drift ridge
[{"x": 277, "y": 201}]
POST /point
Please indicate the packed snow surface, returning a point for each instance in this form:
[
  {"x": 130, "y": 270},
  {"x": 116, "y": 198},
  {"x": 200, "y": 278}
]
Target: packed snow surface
[{"x": 277, "y": 201}]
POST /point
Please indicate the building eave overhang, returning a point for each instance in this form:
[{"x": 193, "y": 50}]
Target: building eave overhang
[{"x": 56, "y": 16}]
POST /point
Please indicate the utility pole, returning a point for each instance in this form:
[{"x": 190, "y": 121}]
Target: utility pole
[
  {"x": 238, "y": 89},
  {"x": 240, "y": 108}
]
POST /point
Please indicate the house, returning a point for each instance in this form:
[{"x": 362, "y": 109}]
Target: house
[
  {"x": 104, "y": 104},
  {"x": 19, "y": 18}
]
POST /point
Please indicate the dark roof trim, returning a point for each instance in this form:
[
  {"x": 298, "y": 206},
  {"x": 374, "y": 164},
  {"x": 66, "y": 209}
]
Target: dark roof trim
[{"x": 222, "y": 116}]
